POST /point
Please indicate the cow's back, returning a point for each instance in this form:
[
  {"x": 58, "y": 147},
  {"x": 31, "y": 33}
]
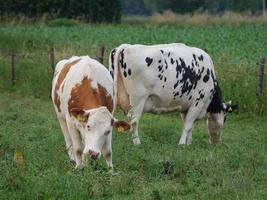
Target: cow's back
[
  {"x": 81, "y": 82},
  {"x": 61, "y": 71}
]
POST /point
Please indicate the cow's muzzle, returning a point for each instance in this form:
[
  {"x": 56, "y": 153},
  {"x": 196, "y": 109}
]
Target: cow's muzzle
[{"x": 94, "y": 155}]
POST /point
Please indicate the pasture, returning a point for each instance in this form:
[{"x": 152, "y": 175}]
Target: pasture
[{"x": 33, "y": 160}]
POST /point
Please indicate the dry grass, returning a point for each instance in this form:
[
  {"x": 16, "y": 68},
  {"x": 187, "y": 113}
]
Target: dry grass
[{"x": 168, "y": 17}]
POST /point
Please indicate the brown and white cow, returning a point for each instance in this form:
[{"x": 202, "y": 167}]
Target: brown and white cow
[
  {"x": 168, "y": 77},
  {"x": 82, "y": 94}
]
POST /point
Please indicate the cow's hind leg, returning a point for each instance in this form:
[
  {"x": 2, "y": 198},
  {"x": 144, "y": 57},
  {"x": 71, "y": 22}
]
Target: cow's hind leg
[
  {"x": 137, "y": 103},
  {"x": 189, "y": 119},
  {"x": 67, "y": 138}
]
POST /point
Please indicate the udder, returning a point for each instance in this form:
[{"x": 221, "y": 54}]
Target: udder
[{"x": 157, "y": 104}]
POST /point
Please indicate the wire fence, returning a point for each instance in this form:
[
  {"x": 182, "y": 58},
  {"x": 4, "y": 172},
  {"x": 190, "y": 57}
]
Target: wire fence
[{"x": 51, "y": 55}]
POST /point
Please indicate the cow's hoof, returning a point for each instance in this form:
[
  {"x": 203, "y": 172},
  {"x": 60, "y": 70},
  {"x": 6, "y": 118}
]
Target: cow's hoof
[
  {"x": 215, "y": 140},
  {"x": 182, "y": 142},
  {"x": 79, "y": 167},
  {"x": 136, "y": 141},
  {"x": 72, "y": 158},
  {"x": 110, "y": 170}
]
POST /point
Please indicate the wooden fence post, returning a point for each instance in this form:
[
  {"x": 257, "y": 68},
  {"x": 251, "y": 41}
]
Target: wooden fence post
[
  {"x": 263, "y": 8},
  {"x": 13, "y": 67},
  {"x": 261, "y": 77},
  {"x": 100, "y": 55},
  {"x": 52, "y": 57}
]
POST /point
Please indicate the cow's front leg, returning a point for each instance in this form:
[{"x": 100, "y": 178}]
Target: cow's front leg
[
  {"x": 189, "y": 118},
  {"x": 137, "y": 103},
  {"x": 67, "y": 137},
  {"x": 107, "y": 151},
  {"x": 186, "y": 137},
  {"x": 77, "y": 145},
  {"x": 135, "y": 135}
]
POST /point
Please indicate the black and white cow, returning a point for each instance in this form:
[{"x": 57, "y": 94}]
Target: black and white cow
[{"x": 168, "y": 77}]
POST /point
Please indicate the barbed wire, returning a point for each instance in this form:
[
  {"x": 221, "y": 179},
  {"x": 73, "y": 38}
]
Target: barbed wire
[
  {"x": 105, "y": 57},
  {"x": 48, "y": 53},
  {"x": 230, "y": 63},
  {"x": 7, "y": 53},
  {"x": 239, "y": 73}
]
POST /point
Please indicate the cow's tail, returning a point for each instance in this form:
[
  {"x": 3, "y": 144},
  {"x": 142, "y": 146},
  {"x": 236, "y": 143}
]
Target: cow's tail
[{"x": 114, "y": 63}]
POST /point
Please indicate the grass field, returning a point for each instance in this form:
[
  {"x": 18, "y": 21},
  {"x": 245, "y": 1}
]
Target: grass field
[{"x": 33, "y": 160}]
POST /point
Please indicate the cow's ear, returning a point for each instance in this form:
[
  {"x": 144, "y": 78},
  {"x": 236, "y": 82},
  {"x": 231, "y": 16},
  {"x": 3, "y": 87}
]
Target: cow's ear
[
  {"x": 233, "y": 107},
  {"x": 121, "y": 126},
  {"x": 79, "y": 114},
  {"x": 229, "y": 107}
]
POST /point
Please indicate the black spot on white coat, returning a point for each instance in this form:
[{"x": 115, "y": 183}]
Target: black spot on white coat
[
  {"x": 216, "y": 102},
  {"x": 122, "y": 59},
  {"x": 160, "y": 67},
  {"x": 149, "y": 61},
  {"x": 176, "y": 94},
  {"x": 189, "y": 78},
  {"x": 125, "y": 74},
  {"x": 201, "y": 58},
  {"x": 112, "y": 58},
  {"x": 166, "y": 64},
  {"x": 129, "y": 72},
  {"x": 111, "y": 73}
]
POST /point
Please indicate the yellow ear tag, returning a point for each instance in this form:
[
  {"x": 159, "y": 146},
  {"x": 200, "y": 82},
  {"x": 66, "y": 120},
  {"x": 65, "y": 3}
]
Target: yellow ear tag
[
  {"x": 80, "y": 118},
  {"x": 230, "y": 109},
  {"x": 120, "y": 129}
]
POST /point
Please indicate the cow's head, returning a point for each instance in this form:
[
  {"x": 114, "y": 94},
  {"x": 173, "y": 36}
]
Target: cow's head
[
  {"x": 95, "y": 126},
  {"x": 216, "y": 121}
]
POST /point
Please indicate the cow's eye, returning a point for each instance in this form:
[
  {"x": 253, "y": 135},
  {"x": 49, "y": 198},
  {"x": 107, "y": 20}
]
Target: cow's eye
[
  {"x": 88, "y": 128},
  {"x": 107, "y": 132}
]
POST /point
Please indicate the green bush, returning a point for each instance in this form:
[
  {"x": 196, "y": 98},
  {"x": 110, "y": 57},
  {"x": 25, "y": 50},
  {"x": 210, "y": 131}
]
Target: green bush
[{"x": 91, "y": 10}]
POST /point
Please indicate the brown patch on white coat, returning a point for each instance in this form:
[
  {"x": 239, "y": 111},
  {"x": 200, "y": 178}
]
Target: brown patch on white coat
[
  {"x": 84, "y": 97},
  {"x": 60, "y": 79}
]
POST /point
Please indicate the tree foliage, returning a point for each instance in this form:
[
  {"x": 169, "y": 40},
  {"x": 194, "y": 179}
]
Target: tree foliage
[
  {"x": 110, "y": 10},
  {"x": 91, "y": 10},
  {"x": 233, "y": 5},
  {"x": 177, "y": 6},
  {"x": 135, "y": 7},
  {"x": 190, "y": 6}
]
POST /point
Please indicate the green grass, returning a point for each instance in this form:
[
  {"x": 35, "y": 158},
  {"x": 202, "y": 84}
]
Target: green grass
[
  {"x": 63, "y": 22},
  {"x": 227, "y": 44},
  {"x": 157, "y": 169}
]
